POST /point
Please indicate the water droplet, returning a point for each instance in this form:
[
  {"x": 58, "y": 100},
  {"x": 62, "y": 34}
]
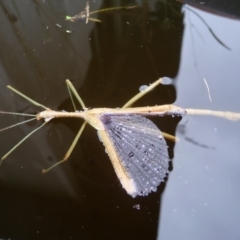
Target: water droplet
[
  {"x": 131, "y": 154},
  {"x": 166, "y": 81},
  {"x": 137, "y": 206},
  {"x": 143, "y": 88}
]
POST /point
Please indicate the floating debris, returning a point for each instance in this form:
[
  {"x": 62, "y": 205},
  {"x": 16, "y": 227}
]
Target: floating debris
[{"x": 84, "y": 15}]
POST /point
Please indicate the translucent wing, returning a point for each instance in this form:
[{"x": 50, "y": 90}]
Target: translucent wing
[{"x": 139, "y": 150}]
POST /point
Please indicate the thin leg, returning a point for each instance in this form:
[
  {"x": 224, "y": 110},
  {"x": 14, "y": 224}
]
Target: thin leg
[
  {"x": 27, "y": 98},
  {"x": 142, "y": 93},
  {"x": 75, "y": 93},
  {"x": 170, "y": 137},
  {"x": 69, "y": 150},
  {"x": 21, "y": 141},
  {"x": 72, "y": 100}
]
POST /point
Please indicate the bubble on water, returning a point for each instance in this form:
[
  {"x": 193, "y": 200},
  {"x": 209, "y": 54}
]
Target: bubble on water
[
  {"x": 143, "y": 88},
  {"x": 166, "y": 81},
  {"x": 137, "y": 206}
]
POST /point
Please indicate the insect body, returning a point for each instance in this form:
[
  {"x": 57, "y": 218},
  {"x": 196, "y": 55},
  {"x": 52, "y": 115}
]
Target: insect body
[{"x": 136, "y": 147}]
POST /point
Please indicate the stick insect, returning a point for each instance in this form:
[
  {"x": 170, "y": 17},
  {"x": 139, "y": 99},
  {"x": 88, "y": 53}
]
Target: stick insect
[
  {"x": 85, "y": 14},
  {"x": 135, "y": 146}
]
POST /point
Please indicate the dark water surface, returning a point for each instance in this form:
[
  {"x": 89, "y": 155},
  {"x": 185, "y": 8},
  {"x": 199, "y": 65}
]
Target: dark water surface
[{"x": 107, "y": 63}]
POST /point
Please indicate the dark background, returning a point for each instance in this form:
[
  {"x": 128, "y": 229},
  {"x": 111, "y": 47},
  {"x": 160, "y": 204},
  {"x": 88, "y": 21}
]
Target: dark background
[{"x": 107, "y": 63}]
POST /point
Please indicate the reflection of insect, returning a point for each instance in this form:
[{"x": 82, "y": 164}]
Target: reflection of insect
[
  {"x": 85, "y": 14},
  {"x": 136, "y": 147}
]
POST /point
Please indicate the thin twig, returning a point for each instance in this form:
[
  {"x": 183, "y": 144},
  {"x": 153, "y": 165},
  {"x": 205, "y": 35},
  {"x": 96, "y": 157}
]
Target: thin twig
[{"x": 209, "y": 95}]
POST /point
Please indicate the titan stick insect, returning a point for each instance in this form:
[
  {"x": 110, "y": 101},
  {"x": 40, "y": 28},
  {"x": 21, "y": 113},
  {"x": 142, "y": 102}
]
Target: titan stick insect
[{"x": 136, "y": 147}]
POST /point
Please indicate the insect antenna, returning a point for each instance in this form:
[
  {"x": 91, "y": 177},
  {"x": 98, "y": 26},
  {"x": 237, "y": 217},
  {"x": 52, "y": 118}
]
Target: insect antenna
[
  {"x": 5, "y": 156},
  {"x": 22, "y": 114},
  {"x": 17, "y": 124},
  {"x": 27, "y": 98}
]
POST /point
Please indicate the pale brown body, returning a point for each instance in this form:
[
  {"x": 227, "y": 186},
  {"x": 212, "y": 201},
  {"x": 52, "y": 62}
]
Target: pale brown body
[{"x": 93, "y": 117}]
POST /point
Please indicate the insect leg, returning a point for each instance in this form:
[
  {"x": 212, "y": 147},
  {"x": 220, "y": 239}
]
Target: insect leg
[
  {"x": 142, "y": 93},
  {"x": 71, "y": 97},
  {"x": 170, "y": 137},
  {"x": 69, "y": 150},
  {"x": 69, "y": 84}
]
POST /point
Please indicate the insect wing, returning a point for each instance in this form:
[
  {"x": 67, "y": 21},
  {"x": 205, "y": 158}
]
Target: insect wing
[{"x": 140, "y": 150}]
